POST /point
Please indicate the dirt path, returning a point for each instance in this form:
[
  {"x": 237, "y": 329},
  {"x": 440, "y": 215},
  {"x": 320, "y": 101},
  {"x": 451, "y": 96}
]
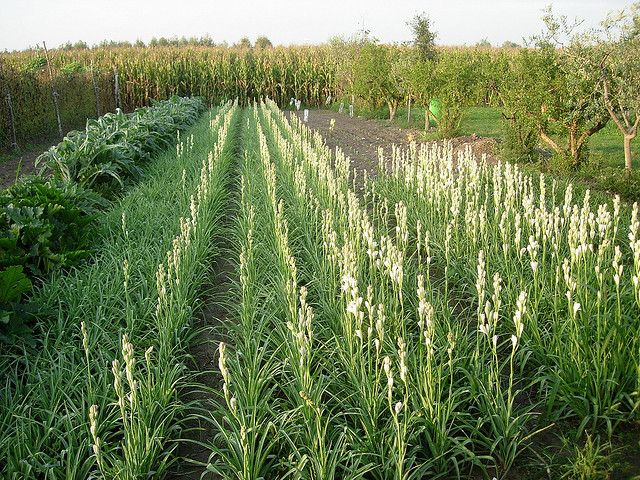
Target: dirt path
[
  {"x": 193, "y": 451},
  {"x": 360, "y": 138},
  {"x": 214, "y": 311},
  {"x": 19, "y": 165}
]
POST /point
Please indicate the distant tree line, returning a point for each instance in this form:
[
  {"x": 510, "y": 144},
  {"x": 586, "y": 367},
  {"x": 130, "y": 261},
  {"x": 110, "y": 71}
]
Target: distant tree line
[{"x": 260, "y": 43}]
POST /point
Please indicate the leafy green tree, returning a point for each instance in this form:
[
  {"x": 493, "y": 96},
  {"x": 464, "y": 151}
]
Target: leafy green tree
[
  {"x": 79, "y": 45},
  {"x": 244, "y": 42},
  {"x": 402, "y": 60},
  {"x": 374, "y": 78},
  {"x": 263, "y": 43},
  {"x": 510, "y": 45},
  {"x": 206, "y": 41},
  {"x": 424, "y": 38},
  {"x": 519, "y": 130},
  {"x": 417, "y": 69},
  {"x": 420, "y": 83},
  {"x": 453, "y": 85},
  {"x": 554, "y": 87},
  {"x": 346, "y": 52},
  {"x": 620, "y": 75}
]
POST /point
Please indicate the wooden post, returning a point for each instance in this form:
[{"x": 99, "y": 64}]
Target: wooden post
[
  {"x": 95, "y": 89},
  {"x": 116, "y": 88},
  {"x": 54, "y": 93},
  {"x": 14, "y": 142}
]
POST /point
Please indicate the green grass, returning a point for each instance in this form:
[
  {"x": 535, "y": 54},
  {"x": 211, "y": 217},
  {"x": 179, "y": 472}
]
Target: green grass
[
  {"x": 483, "y": 122},
  {"x": 605, "y": 148},
  {"x": 480, "y": 121}
]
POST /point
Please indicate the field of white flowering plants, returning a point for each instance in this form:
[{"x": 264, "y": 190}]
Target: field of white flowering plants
[
  {"x": 438, "y": 317},
  {"x": 429, "y": 322}
]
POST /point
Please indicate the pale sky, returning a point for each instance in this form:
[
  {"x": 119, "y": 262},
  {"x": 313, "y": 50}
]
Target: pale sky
[{"x": 26, "y": 22}]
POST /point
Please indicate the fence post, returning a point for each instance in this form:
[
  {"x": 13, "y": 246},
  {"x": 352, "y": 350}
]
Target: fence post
[
  {"x": 54, "y": 93},
  {"x": 95, "y": 89},
  {"x": 14, "y": 141},
  {"x": 116, "y": 88}
]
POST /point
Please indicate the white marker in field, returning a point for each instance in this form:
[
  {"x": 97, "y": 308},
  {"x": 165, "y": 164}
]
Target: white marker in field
[
  {"x": 351, "y": 110},
  {"x": 306, "y": 115},
  {"x": 341, "y": 109},
  {"x": 328, "y": 100},
  {"x": 298, "y": 104}
]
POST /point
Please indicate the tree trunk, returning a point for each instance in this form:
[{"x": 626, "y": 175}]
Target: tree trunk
[
  {"x": 393, "y": 106},
  {"x": 628, "y": 165},
  {"x": 574, "y": 148},
  {"x": 549, "y": 141},
  {"x": 628, "y": 131}
]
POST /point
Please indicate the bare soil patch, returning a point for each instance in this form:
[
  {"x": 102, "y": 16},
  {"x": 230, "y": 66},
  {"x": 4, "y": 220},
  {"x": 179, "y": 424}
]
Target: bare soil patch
[
  {"x": 193, "y": 452},
  {"x": 359, "y": 138},
  {"x": 18, "y": 166}
]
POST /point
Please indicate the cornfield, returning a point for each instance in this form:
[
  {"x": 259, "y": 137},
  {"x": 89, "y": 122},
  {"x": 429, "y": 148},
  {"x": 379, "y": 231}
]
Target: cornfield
[{"x": 86, "y": 85}]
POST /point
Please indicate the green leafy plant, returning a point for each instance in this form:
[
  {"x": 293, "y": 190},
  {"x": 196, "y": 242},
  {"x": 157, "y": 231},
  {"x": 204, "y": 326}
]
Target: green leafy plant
[
  {"x": 375, "y": 79},
  {"x": 34, "y": 64},
  {"x": 114, "y": 148},
  {"x": 13, "y": 285},
  {"x": 455, "y": 80},
  {"x": 44, "y": 224},
  {"x": 70, "y": 68}
]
